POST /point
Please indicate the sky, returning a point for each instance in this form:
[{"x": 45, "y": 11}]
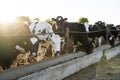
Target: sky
[{"x": 95, "y": 10}]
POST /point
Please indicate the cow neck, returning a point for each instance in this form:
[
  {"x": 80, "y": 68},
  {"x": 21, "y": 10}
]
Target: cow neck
[{"x": 86, "y": 26}]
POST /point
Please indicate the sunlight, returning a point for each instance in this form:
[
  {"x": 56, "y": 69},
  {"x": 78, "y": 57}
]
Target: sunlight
[
  {"x": 6, "y": 19},
  {"x": 7, "y": 13}
]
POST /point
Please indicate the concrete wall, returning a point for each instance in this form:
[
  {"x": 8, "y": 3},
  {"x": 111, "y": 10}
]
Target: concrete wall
[
  {"x": 15, "y": 73},
  {"x": 59, "y": 67},
  {"x": 63, "y": 70},
  {"x": 112, "y": 52}
]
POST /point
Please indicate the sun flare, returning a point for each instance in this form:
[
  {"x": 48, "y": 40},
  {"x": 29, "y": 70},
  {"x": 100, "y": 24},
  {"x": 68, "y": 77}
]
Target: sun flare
[
  {"x": 6, "y": 18},
  {"x": 7, "y": 10}
]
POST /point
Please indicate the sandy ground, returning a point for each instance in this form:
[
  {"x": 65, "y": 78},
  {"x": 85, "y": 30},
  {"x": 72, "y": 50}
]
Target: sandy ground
[{"x": 103, "y": 70}]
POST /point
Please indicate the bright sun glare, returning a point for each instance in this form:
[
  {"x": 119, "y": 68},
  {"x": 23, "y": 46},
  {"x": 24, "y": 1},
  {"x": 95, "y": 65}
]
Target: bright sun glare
[
  {"x": 6, "y": 19},
  {"x": 7, "y": 13}
]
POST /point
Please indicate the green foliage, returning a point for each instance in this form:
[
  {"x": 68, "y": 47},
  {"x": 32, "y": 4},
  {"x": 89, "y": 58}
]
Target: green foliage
[
  {"x": 83, "y": 20},
  {"x": 36, "y": 19},
  {"x": 22, "y": 18},
  {"x": 48, "y": 21}
]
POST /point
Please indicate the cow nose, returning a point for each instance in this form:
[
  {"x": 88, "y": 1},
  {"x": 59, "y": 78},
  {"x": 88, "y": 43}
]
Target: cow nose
[
  {"x": 57, "y": 53},
  {"x": 33, "y": 54}
]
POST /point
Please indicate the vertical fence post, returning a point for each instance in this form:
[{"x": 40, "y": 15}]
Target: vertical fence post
[
  {"x": 67, "y": 39},
  {"x": 107, "y": 35}
]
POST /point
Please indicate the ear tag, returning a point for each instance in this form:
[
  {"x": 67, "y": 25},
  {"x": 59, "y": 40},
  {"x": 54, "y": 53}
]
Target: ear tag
[{"x": 33, "y": 40}]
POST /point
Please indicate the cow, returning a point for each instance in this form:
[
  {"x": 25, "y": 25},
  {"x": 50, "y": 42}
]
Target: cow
[
  {"x": 14, "y": 38},
  {"x": 97, "y": 32},
  {"x": 113, "y": 33},
  {"x": 61, "y": 25},
  {"x": 118, "y": 29},
  {"x": 43, "y": 31}
]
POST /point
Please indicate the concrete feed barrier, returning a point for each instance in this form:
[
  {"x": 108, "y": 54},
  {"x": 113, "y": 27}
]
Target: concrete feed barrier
[
  {"x": 63, "y": 70},
  {"x": 112, "y": 52},
  {"x": 15, "y": 73}
]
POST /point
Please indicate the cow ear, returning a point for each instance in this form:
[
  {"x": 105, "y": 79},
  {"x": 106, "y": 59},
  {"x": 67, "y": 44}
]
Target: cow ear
[
  {"x": 53, "y": 19},
  {"x": 65, "y": 19}
]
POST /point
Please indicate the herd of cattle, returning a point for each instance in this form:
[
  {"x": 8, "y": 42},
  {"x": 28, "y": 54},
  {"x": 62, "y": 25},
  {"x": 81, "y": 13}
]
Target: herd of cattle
[{"x": 23, "y": 43}]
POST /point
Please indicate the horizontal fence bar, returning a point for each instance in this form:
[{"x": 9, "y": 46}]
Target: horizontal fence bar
[{"x": 3, "y": 34}]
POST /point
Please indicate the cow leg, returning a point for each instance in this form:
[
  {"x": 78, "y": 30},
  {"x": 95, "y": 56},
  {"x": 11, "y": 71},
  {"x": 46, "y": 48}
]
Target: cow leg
[
  {"x": 26, "y": 56},
  {"x": 101, "y": 41},
  {"x": 62, "y": 47},
  {"x": 74, "y": 48},
  {"x": 96, "y": 42},
  {"x": 14, "y": 64},
  {"x": 41, "y": 52},
  {"x": 4, "y": 67},
  {"x": 86, "y": 44},
  {"x": 53, "y": 53},
  {"x": 40, "y": 56},
  {"x": 111, "y": 39},
  {"x": 1, "y": 69}
]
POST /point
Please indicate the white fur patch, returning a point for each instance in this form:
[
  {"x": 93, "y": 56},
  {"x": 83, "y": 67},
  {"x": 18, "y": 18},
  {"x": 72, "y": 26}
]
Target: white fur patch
[
  {"x": 100, "y": 40},
  {"x": 110, "y": 38},
  {"x": 87, "y": 26},
  {"x": 33, "y": 54},
  {"x": 59, "y": 19},
  {"x": 56, "y": 39},
  {"x": 40, "y": 27}
]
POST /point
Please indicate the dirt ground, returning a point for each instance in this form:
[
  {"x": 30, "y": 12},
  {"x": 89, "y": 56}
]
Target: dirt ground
[{"x": 103, "y": 70}]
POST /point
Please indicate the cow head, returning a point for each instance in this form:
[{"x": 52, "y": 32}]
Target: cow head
[
  {"x": 109, "y": 26},
  {"x": 100, "y": 25},
  {"x": 59, "y": 22},
  {"x": 56, "y": 39},
  {"x": 118, "y": 27}
]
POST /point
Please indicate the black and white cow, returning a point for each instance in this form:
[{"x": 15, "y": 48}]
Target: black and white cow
[
  {"x": 82, "y": 37},
  {"x": 43, "y": 31},
  {"x": 98, "y": 30},
  {"x": 113, "y": 33},
  {"x": 14, "y": 38}
]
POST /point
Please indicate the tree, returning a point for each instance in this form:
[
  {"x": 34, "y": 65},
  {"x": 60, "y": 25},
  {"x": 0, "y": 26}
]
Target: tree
[
  {"x": 48, "y": 21},
  {"x": 36, "y": 19},
  {"x": 22, "y": 18},
  {"x": 83, "y": 20}
]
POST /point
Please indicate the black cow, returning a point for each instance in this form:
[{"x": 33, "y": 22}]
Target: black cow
[
  {"x": 12, "y": 36},
  {"x": 82, "y": 37},
  {"x": 97, "y": 30},
  {"x": 112, "y": 34},
  {"x": 118, "y": 29}
]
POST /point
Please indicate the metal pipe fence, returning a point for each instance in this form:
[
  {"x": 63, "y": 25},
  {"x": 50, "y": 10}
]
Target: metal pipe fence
[{"x": 59, "y": 32}]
